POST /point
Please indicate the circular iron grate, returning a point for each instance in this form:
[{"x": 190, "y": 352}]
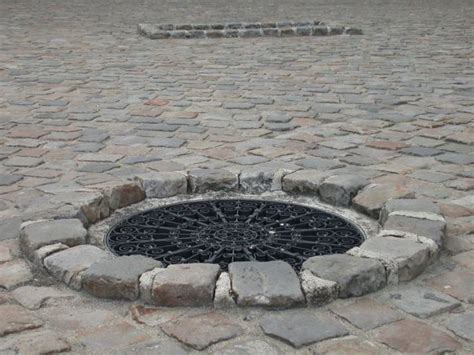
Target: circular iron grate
[{"x": 223, "y": 231}]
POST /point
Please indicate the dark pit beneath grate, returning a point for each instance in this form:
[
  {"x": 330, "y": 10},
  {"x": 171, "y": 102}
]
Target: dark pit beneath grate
[{"x": 224, "y": 231}]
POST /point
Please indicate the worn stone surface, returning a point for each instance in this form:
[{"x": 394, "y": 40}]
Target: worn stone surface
[
  {"x": 304, "y": 181},
  {"x": 117, "y": 278},
  {"x": 124, "y": 194},
  {"x": 68, "y": 264},
  {"x": 37, "y": 342},
  {"x": 261, "y": 179},
  {"x": 43, "y": 252},
  {"x": 200, "y": 331},
  {"x": 411, "y": 336},
  {"x": 465, "y": 259},
  {"x": 249, "y": 347},
  {"x": 418, "y": 205},
  {"x": 433, "y": 230},
  {"x": 462, "y": 325},
  {"x": 69, "y": 232},
  {"x": 347, "y": 346},
  {"x": 223, "y": 294},
  {"x": 163, "y": 184},
  {"x": 366, "y": 313},
  {"x": 339, "y": 190},
  {"x": 272, "y": 283},
  {"x": 316, "y": 290},
  {"x": 163, "y": 346},
  {"x": 355, "y": 276},
  {"x": 185, "y": 285},
  {"x": 410, "y": 256},
  {"x": 112, "y": 336},
  {"x": 33, "y": 297},
  {"x": 16, "y": 319},
  {"x": 422, "y": 302},
  {"x": 5, "y": 254},
  {"x": 300, "y": 328},
  {"x": 146, "y": 284},
  {"x": 14, "y": 273},
  {"x": 203, "y": 180},
  {"x": 372, "y": 198},
  {"x": 458, "y": 283}
]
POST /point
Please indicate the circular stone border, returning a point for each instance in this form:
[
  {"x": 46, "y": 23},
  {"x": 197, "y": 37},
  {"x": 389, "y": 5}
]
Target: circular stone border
[{"x": 65, "y": 244}]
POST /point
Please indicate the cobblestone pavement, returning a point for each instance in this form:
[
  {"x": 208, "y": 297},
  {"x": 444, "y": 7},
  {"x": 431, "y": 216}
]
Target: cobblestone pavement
[{"x": 85, "y": 101}]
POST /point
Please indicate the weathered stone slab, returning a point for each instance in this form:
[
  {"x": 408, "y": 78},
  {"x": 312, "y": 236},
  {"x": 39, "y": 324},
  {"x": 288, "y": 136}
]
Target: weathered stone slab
[
  {"x": 35, "y": 235},
  {"x": 202, "y": 180},
  {"x": 427, "y": 228},
  {"x": 14, "y": 273},
  {"x": 462, "y": 325},
  {"x": 366, "y": 314},
  {"x": 300, "y": 328},
  {"x": 349, "y": 345},
  {"x": 37, "y": 342},
  {"x": 422, "y": 302},
  {"x": 35, "y": 297},
  {"x": 93, "y": 205},
  {"x": 249, "y": 347},
  {"x": 261, "y": 179},
  {"x": 458, "y": 283},
  {"x": 146, "y": 284},
  {"x": 123, "y": 194},
  {"x": 316, "y": 290},
  {"x": 185, "y": 285},
  {"x": 415, "y": 337},
  {"x": 40, "y": 254},
  {"x": 339, "y": 190},
  {"x": 354, "y": 276},
  {"x": 5, "y": 254},
  {"x": 117, "y": 278},
  {"x": 203, "y": 330},
  {"x": 163, "y": 184},
  {"x": 67, "y": 265},
  {"x": 410, "y": 256},
  {"x": 418, "y": 205},
  {"x": 162, "y": 346},
  {"x": 304, "y": 181},
  {"x": 272, "y": 283},
  {"x": 112, "y": 336},
  {"x": 16, "y": 319},
  {"x": 223, "y": 294},
  {"x": 372, "y": 198}
]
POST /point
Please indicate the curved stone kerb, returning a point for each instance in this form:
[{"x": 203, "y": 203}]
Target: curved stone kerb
[{"x": 395, "y": 255}]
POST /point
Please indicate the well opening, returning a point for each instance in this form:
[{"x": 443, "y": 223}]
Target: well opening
[{"x": 223, "y": 231}]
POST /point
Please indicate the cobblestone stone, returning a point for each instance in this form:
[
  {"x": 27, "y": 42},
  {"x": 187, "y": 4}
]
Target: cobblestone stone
[
  {"x": 200, "y": 331},
  {"x": 354, "y": 276},
  {"x": 299, "y": 328},
  {"x": 273, "y": 284}
]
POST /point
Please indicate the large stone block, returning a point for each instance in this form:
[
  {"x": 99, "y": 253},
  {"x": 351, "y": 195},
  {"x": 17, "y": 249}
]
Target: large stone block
[
  {"x": 418, "y": 205},
  {"x": 202, "y": 180},
  {"x": 431, "y": 229},
  {"x": 68, "y": 264},
  {"x": 339, "y": 190},
  {"x": 272, "y": 283},
  {"x": 117, "y": 278},
  {"x": 69, "y": 232},
  {"x": 410, "y": 256},
  {"x": 304, "y": 181},
  {"x": 372, "y": 198},
  {"x": 163, "y": 184},
  {"x": 355, "y": 276},
  {"x": 185, "y": 285}
]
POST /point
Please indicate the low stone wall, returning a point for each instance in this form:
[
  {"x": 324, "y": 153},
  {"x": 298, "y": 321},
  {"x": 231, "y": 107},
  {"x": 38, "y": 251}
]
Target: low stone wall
[
  {"x": 412, "y": 234},
  {"x": 243, "y": 30}
]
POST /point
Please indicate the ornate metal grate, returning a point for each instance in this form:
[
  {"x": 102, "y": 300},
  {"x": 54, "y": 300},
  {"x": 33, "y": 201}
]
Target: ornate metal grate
[{"x": 223, "y": 231}]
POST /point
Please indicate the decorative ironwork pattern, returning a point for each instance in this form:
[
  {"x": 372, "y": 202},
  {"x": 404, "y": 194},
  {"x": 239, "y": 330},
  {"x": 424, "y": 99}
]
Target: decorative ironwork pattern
[{"x": 223, "y": 231}]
